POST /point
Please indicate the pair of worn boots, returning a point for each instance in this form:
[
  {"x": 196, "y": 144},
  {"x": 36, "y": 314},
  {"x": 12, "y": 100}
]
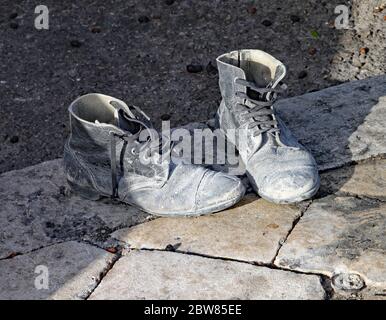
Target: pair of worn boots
[{"x": 105, "y": 156}]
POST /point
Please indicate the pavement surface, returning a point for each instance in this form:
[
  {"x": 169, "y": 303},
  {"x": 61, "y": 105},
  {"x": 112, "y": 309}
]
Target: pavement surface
[
  {"x": 55, "y": 245},
  {"x": 139, "y": 51}
]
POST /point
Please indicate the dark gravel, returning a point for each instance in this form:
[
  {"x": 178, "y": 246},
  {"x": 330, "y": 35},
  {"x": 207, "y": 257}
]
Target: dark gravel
[
  {"x": 194, "y": 68},
  {"x": 138, "y": 50}
]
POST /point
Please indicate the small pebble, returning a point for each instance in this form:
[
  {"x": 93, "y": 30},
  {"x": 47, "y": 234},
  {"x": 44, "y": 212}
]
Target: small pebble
[
  {"x": 14, "y": 139},
  {"x": 62, "y": 190},
  {"x": 302, "y": 74},
  {"x": 96, "y": 29},
  {"x": 13, "y": 15},
  {"x": 12, "y": 255},
  {"x": 194, "y": 68},
  {"x": 112, "y": 250},
  {"x": 266, "y": 23},
  {"x": 312, "y": 51},
  {"x": 169, "y": 2},
  {"x": 165, "y": 117},
  {"x": 50, "y": 224},
  {"x": 75, "y": 43},
  {"x": 143, "y": 19},
  {"x": 363, "y": 51},
  {"x": 252, "y": 10},
  {"x": 170, "y": 247},
  {"x": 14, "y": 25},
  {"x": 294, "y": 18}
]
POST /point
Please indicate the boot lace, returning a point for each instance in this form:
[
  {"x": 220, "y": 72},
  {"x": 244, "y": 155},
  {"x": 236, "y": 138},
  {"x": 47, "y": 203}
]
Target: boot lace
[
  {"x": 142, "y": 147},
  {"x": 259, "y": 109}
]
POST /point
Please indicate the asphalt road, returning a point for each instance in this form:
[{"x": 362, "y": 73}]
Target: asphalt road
[{"x": 139, "y": 50}]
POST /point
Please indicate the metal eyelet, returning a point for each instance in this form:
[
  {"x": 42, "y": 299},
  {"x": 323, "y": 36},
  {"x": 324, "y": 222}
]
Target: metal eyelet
[
  {"x": 134, "y": 152},
  {"x": 238, "y": 93}
]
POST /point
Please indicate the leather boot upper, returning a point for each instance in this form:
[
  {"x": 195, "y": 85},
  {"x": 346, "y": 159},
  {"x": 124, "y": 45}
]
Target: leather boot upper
[
  {"x": 113, "y": 151},
  {"x": 278, "y": 167},
  {"x": 90, "y": 143}
]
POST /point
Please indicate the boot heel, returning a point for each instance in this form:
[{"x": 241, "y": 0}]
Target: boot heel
[{"x": 84, "y": 192}]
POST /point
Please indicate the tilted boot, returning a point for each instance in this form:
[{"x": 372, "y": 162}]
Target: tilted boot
[
  {"x": 105, "y": 157},
  {"x": 278, "y": 167}
]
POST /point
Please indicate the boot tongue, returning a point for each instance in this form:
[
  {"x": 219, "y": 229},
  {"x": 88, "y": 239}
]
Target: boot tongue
[
  {"x": 134, "y": 120},
  {"x": 261, "y": 97},
  {"x": 126, "y": 121},
  {"x": 130, "y": 118},
  {"x": 279, "y": 74}
]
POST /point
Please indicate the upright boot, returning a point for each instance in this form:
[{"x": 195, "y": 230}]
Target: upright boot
[
  {"x": 105, "y": 157},
  {"x": 278, "y": 167}
]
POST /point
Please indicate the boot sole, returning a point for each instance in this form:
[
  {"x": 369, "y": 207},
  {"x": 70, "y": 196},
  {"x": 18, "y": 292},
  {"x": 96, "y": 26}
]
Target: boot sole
[
  {"x": 204, "y": 211},
  {"x": 90, "y": 194},
  {"x": 305, "y": 196}
]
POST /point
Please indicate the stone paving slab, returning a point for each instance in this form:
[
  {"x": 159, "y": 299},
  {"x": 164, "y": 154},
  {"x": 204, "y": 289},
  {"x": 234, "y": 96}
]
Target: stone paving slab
[
  {"x": 365, "y": 179},
  {"x": 367, "y": 293},
  {"x": 74, "y": 269},
  {"x": 37, "y": 210},
  {"x": 169, "y": 275},
  {"x": 251, "y": 231},
  {"x": 341, "y": 123},
  {"x": 343, "y": 238},
  {"x": 340, "y": 236}
]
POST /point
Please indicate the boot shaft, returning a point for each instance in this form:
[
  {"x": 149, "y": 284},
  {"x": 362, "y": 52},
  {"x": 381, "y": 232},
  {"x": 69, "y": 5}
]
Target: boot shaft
[
  {"x": 92, "y": 119},
  {"x": 240, "y": 72},
  {"x": 98, "y": 143},
  {"x": 252, "y": 65}
]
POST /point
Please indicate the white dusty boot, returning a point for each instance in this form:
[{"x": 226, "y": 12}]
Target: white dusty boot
[
  {"x": 105, "y": 157},
  {"x": 278, "y": 167}
]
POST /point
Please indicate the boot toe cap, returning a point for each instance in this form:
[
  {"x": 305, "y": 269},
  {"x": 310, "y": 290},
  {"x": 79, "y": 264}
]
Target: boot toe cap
[
  {"x": 218, "y": 191},
  {"x": 291, "y": 185}
]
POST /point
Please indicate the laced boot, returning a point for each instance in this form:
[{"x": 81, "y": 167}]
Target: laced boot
[
  {"x": 278, "y": 167},
  {"x": 104, "y": 156}
]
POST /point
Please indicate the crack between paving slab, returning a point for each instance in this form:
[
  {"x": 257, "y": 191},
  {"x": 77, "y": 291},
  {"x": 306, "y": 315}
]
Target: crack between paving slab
[
  {"x": 381, "y": 156},
  {"x": 103, "y": 273},
  {"x": 17, "y": 254},
  {"x": 294, "y": 224},
  {"x": 357, "y": 196},
  {"x": 254, "y": 263},
  {"x": 325, "y": 280}
]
